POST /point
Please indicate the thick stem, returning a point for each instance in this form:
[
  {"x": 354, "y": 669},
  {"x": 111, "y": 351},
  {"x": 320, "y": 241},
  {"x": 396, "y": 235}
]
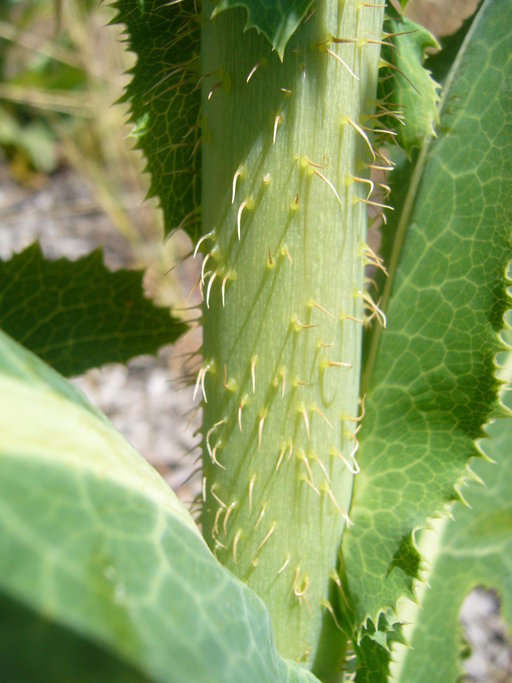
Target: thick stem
[{"x": 285, "y": 168}]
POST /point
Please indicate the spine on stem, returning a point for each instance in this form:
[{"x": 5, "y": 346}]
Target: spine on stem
[{"x": 286, "y": 149}]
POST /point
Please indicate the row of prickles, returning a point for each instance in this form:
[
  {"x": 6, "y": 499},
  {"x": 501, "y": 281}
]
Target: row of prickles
[
  {"x": 287, "y": 156},
  {"x": 270, "y": 161}
]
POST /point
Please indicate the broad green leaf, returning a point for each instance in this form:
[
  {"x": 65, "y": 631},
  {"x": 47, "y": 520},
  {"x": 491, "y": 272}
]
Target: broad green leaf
[
  {"x": 164, "y": 97},
  {"x": 432, "y": 374},
  {"x": 37, "y": 650},
  {"x": 95, "y": 541},
  {"x": 277, "y": 20},
  {"x": 405, "y": 85},
  {"x": 77, "y": 315},
  {"x": 475, "y": 548}
]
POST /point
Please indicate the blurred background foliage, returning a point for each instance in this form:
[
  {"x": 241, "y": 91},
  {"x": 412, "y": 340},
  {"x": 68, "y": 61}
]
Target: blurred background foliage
[
  {"x": 62, "y": 66},
  {"x": 59, "y": 70}
]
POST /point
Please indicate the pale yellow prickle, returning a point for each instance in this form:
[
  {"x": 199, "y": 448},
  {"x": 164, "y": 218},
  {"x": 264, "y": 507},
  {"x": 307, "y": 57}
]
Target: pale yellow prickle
[{"x": 284, "y": 209}]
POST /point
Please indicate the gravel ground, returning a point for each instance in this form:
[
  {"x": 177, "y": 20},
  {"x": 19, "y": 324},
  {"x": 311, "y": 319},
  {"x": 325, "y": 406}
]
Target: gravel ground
[
  {"x": 146, "y": 400},
  {"x": 486, "y": 633}
]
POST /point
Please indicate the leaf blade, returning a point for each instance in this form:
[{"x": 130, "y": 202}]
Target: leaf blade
[
  {"x": 278, "y": 21},
  {"x": 164, "y": 101},
  {"x": 73, "y": 658},
  {"x": 77, "y": 315},
  {"x": 93, "y": 538},
  {"x": 446, "y": 307},
  {"x": 474, "y": 548},
  {"x": 406, "y": 85}
]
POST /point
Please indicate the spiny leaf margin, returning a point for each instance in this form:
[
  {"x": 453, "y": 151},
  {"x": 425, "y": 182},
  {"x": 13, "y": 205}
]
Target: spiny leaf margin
[
  {"x": 475, "y": 549},
  {"x": 164, "y": 97},
  {"x": 433, "y": 385},
  {"x": 405, "y": 84},
  {"x": 77, "y": 315},
  {"x": 277, "y": 20}
]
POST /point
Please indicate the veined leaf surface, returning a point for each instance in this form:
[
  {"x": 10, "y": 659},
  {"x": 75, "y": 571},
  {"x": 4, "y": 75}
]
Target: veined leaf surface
[
  {"x": 164, "y": 97},
  {"x": 77, "y": 315},
  {"x": 93, "y": 539},
  {"x": 432, "y": 381},
  {"x": 475, "y": 548}
]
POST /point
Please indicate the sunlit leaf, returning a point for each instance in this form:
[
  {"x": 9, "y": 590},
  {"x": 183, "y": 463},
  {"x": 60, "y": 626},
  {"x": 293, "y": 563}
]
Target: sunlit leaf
[
  {"x": 432, "y": 383},
  {"x": 94, "y": 540},
  {"x": 77, "y": 315}
]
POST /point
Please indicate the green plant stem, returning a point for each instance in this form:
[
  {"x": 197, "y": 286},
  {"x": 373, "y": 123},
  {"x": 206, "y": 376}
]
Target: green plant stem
[{"x": 285, "y": 167}]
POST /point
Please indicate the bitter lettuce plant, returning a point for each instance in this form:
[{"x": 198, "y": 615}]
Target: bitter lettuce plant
[{"x": 329, "y": 473}]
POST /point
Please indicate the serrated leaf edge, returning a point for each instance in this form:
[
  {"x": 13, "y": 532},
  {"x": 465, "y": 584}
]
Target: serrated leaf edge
[
  {"x": 279, "y": 45},
  {"x": 497, "y": 409},
  {"x": 420, "y": 582}
]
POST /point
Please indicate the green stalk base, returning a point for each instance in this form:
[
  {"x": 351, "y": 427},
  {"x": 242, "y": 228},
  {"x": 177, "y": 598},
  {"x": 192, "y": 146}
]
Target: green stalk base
[{"x": 285, "y": 167}]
